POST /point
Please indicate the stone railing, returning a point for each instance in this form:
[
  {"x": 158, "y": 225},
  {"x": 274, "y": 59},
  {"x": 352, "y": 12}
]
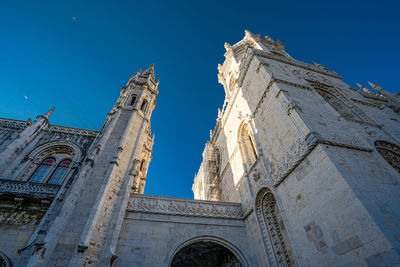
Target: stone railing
[
  {"x": 15, "y": 124},
  {"x": 26, "y": 188},
  {"x": 69, "y": 130},
  {"x": 184, "y": 207}
]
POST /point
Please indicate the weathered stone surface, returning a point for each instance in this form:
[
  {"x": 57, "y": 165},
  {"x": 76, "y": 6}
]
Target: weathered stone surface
[{"x": 300, "y": 170}]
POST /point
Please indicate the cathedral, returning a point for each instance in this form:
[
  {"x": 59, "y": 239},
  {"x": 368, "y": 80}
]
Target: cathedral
[{"x": 301, "y": 169}]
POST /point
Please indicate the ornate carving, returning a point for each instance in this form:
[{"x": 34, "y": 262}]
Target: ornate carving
[
  {"x": 14, "y": 124},
  {"x": 300, "y": 150},
  {"x": 26, "y": 188},
  {"x": 184, "y": 207},
  {"x": 277, "y": 244},
  {"x": 340, "y": 103},
  {"x": 74, "y": 131},
  {"x": 296, "y": 63},
  {"x": 390, "y": 152}
]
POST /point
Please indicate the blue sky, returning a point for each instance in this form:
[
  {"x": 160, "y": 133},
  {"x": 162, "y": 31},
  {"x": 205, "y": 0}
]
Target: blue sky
[{"x": 48, "y": 59}]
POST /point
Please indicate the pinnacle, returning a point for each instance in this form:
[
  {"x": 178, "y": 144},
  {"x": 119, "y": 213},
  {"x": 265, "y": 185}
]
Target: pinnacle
[
  {"x": 150, "y": 70},
  {"x": 48, "y": 113}
]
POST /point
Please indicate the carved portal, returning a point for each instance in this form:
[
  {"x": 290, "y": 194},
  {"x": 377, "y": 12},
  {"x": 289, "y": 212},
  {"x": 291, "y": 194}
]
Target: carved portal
[
  {"x": 273, "y": 229},
  {"x": 390, "y": 152},
  {"x": 205, "y": 254}
]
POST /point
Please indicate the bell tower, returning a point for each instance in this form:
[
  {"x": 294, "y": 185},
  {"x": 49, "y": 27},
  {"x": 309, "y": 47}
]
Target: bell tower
[{"x": 83, "y": 227}]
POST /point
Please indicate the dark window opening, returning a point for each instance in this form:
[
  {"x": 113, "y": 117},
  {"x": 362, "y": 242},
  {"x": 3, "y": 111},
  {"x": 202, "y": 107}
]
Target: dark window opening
[
  {"x": 133, "y": 100},
  {"x": 143, "y": 106}
]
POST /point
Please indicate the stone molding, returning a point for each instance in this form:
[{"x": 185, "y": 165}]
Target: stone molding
[
  {"x": 14, "y": 124},
  {"x": 74, "y": 131},
  {"x": 301, "y": 148},
  {"x": 184, "y": 207},
  {"x": 27, "y": 188},
  {"x": 17, "y": 124},
  {"x": 296, "y": 63}
]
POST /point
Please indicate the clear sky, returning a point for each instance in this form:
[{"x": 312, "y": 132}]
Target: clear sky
[{"x": 48, "y": 59}]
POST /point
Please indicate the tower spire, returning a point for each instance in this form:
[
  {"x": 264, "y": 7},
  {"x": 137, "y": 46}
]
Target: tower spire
[{"x": 48, "y": 113}]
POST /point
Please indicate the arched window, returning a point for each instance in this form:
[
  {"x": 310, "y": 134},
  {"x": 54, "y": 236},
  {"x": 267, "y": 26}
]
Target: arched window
[
  {"x": 247, "y": 146},
  {"x": 60, "y": 171},
  {"x": 390, "y": 152},
  {"x": 133, "y": 100},
  {"x": 143, "y": 107},
  {"x": 42, "y": 170}
]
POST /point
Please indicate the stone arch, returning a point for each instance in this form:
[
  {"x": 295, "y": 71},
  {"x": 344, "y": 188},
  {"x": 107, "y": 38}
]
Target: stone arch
[
  {"x": 276, "y": 240},
  {"x": 390, "y": 152},
  {"x": 4, "y": 260},
  {"x": 62, "y": 150},
  {"x": 247, "y": 144},
  {"x": 212, "y": 240}
]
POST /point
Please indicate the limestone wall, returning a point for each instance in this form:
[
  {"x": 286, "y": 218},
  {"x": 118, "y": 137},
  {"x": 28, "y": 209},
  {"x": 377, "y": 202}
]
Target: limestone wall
[{"x": 154, "y": 228}]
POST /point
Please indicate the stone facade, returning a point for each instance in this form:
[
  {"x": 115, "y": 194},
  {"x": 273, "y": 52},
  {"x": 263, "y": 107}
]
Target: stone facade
[{"x": 300, "y": 170}]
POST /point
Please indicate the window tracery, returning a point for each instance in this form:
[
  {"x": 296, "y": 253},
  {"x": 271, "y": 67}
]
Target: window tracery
[
  {"x": 42, "y": 170},
  {"x": 59, "y": 172},
  {"x": 50, "y": 162},
  {"x": 390, "y": 152},
  {"x": 247, "y": 146}
]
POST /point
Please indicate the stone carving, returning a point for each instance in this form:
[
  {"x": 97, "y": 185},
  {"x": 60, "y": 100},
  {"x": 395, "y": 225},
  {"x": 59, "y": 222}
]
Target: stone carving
[
  {"x": 390, "y": 152},
  {"x": 296, "y": 63},
  {"x": 19, "y": 217},
  {"x": 277, "y": 247},
  {"x": 26, "y": 188},
  {"x": 340, "y": 103},
  {"x": 4, "y": 260},
  {"x": 184, "y": 207},
  {"x": 301, "y": 148},
  {"x": 14, "y": 124},
  {"x": 72, "y": 130}
]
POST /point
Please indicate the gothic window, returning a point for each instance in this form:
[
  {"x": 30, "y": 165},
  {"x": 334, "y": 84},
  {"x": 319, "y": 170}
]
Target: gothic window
[
  {"x": 390, "y": 152},
  {"x": 247, "y": 146},
  {"x": 336, "y": 100},
  {"x": 273, "y": 230},
  {"x": 50, "y": 162},
  {"x": 133, "y": 100},
  {"x": 42, "y": 170},
  {"x": 60, "y": 171},
  {"x": 143, "y": 107}
]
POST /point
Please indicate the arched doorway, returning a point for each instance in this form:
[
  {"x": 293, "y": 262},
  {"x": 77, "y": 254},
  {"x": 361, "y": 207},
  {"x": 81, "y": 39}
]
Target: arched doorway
[{"x": 205, "y": 254}]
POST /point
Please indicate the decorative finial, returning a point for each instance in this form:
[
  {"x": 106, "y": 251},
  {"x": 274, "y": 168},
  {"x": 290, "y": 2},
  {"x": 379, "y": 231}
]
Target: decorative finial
[
  {"x": 220, "y": 68},
  {"x": 227, "y": 46},
  {"x": 211, "y": 133},
  {"x": 248, "y": 33},
  {"x": 365, "y": 89}
]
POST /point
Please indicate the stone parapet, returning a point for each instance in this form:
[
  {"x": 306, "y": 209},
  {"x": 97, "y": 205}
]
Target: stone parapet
[
  {"x": 27, "y": 188},
  {"x": 184, "y": 207}
]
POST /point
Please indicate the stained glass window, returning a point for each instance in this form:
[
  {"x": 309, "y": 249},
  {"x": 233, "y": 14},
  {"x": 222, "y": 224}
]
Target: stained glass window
[
  {"x": 60, "y": 172},
  {"x": 41, "y": 171}
]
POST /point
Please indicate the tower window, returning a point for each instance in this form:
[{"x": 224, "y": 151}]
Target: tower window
[
  {"x": 59, "y": 173},
  {"x": 41, "y": 171},
  {"x": 247, "y": 146},
  {"x": 133, "y": 100},
  {"x": 143, "y": 107}
]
